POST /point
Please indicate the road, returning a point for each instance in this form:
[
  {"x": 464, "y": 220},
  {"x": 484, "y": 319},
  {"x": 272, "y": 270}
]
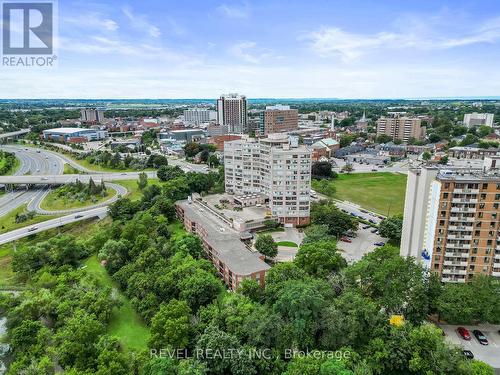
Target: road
[
  {"x": 50, "y": 224},
  {"x": 35, "y": 164}
]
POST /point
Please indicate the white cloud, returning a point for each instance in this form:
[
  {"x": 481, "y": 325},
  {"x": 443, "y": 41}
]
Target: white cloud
[
  {"x": 92, "y": 20},
  {"x": 248, "y": 52},
  {"x": 234, "y": 11},
  {"x": 333, "y": 41},
  {"x": 141, "y": 22}
]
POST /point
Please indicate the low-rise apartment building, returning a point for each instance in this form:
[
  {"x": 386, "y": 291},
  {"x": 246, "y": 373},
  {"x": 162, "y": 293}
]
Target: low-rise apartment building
[
  {"x": 451, "y": 221},
  {"x": 276, "y": 166},
  {"x": 231, "y": 257}
]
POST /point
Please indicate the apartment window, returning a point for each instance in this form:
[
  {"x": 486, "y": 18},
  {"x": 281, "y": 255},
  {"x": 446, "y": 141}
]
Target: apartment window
[
  {"x": 497, "y": 197},
  {"x": 485, "y": 186},
  {"x": 445, "y": 195}
]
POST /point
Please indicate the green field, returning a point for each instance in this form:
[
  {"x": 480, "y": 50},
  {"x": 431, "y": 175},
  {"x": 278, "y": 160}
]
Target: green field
[
  {"x": 54, "y": 203},
  {"x": 7, "y": 276},
  {"x": 68, "y": 169},
  {"x": 8, "y": 222},
  {"x": 133, "y": 190},
  {"x": 125, "y": 323},
  {"x": 383, "y": 193}
]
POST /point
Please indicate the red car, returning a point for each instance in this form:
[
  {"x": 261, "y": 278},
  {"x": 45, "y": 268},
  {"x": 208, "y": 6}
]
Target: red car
[
  {"x": 464, "y": 333},
  {"x": 346, "y": 239}
]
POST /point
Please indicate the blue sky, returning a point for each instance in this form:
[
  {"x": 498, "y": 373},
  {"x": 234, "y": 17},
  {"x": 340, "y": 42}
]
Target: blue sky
[{"x": 283, "y": 49}]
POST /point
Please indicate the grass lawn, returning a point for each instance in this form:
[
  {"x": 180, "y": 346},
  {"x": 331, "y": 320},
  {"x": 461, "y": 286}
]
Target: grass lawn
[
  {"x": 125, "y": 323},
  {"x": 383, "y": 193},
  {"x": 68, "y": 169},
  {"x": 133, "y": 190},
  {"x": 8, "y": 222},
  {"x": 54, "y": 203},
  {"x": 287, "y": 244}
]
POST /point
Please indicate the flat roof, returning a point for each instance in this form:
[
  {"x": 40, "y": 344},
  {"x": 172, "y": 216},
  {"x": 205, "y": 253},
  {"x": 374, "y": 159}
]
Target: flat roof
[{"x": 225, "y": 243}]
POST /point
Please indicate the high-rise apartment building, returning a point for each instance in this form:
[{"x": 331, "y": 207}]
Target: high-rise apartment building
[
  {"x": 232, "y": 112},
  {"x": 402, "y": 128},
  {"x": 451, "y": 220},
  {"x": 275, "y": 166},
  {"x": 198, "y": 115},
  {"x": 91, "y": 115},
  {"x": 478, "y": 119},
  {"x": 278, "y": 119}
]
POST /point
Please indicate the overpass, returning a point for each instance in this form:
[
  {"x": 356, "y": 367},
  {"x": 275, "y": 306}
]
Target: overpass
[
  {"x": 7, "y": 136},
  {"x": 54, "y": 223},
  {"x": 69, "y": 178}
]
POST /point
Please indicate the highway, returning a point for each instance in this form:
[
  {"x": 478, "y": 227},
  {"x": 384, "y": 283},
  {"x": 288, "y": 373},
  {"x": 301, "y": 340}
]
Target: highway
[
  {"x": 35, "y": 164},
  {"x": 50, "y": 224}
]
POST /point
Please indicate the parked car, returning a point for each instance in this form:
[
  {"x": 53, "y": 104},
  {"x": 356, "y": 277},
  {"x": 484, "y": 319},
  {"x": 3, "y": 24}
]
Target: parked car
[
  {"x": 374, "y": 169},
  {"x": 345, "y": 239},
  {"x": 364, "y": 211},
  {"x": 372, "y": 221},
  {"x": 464, "y": 333},
  {"x": 480, "y": 337},
  {"x": 468, "y": 354},
  {"x": 379, "y": 243},
  {"x": 366, "y": 226},
  {"x": 353, "y": 214},
  {"x": 374, "y": 230}
]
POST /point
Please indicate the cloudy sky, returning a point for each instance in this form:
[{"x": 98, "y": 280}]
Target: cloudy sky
[{"x": 269, "y": 48}]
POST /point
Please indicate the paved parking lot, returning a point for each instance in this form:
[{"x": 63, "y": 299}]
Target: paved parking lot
[
  {"x": 486, "y": 353},
  {"x": 361, "y": 245}
]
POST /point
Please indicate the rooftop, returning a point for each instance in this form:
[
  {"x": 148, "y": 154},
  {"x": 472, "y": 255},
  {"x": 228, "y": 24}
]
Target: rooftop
[
  {"x": 65, "y": 130},
  {"x": 224, "y": 241}
]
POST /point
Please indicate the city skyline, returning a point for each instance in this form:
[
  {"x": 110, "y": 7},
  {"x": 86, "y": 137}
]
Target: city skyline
[{"x": 268, "y": 50}]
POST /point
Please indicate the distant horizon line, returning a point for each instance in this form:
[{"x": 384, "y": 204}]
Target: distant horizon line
[{"x": 436, "y": 98}]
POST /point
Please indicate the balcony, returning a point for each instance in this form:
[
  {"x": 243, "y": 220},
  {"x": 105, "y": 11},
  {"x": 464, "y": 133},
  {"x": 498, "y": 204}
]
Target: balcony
[
  {"x": 460, "y": 228},
  {"x": 466, "y": 191},
  {"x": 495, "y": 274},
  {"x": 458, "y": 246},
  {"x": 458, "y": 218},
  {"x": 456, "y": 254},
  {"x": 463, "y": 209},
  {"x": 463, "y": 200},
  {"x": 455, "y": 263},
  {"x": 448, "y": 271},
  {"x": 459, "y": 237},
  {"x": 452, "y": 280}
]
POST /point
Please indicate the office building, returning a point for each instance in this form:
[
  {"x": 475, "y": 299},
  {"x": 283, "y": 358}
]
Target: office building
[
  {"x": 402, "y": 128},
  {"x": 275, "y": 166},
  {"x": 478, "y": 119},
  {"x": 278, "y": 119},
  {"x": 198, "y": 115},
  {"x": 91, "y": 116},
  {"x": 232, "y": 112},
  {"x": 73, "y": 135},
  {"x": 451, "y": 220}
]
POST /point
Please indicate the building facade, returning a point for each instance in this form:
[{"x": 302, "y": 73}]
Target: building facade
[
  {"x": 278, "y": 119},
  {"x": 73, "y": 135},
  {"x": 232, "y": 112},
  {"x": 275, "y": 166},
  {"x": 478, "y": 119},
  {"x": 402, "y": 128},
  {"x": 451, "y": 221},
  {"x": 91, "y": 115},
  {"x": 198, "y": 115}
]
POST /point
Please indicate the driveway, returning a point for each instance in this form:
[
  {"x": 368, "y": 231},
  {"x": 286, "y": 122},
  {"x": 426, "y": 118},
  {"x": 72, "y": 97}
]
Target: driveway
[
  {"x": 486, "y": 353},
  {"x": 286, "y": 253}
]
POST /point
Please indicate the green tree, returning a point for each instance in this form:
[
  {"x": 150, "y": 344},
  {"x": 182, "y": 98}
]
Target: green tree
[
  {"x": 426, "y": 156},
  {"x": 143, "y": 180},
  {"x": 167, "y": 172},
  {"x": 266, "y": 246},
  {"x": 392, "y": 228},
  {"x": 326, "y": 213},
  {"x": 320, "y": 258},
  {"x": 170, "y": 327}
]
